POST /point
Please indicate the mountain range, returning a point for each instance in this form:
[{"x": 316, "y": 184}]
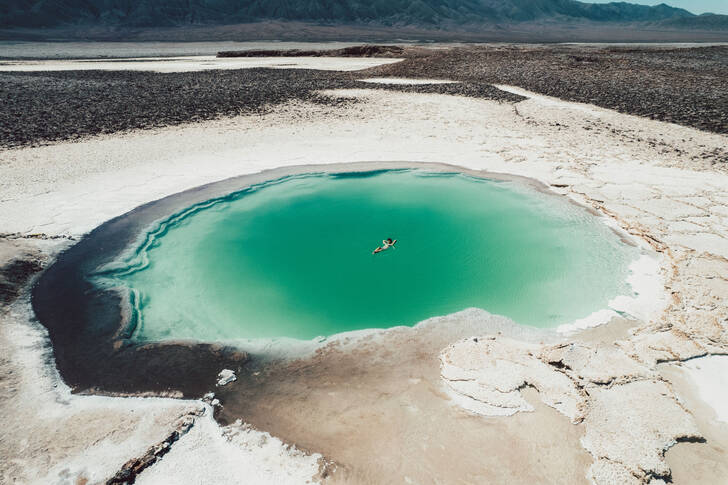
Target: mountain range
[{"x": 174, "y": 13}]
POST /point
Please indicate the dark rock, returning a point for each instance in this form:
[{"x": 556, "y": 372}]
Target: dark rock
[
  {"x": 354, "y": 51},
  {"x": 15, "y": 276}
]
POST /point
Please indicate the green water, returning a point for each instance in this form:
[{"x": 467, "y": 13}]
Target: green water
[{"x": 293, "y": 258}]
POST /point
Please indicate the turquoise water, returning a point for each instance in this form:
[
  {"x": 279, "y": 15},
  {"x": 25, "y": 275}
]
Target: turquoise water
[{"x": 293, "y": 258}]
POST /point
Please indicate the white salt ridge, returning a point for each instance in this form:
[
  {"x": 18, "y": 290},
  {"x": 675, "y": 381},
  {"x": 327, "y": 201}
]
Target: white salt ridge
[
  {"x": 406, "y": 81},
  {"x": 481, "y": 408},
  {"x": 199, "y": 63},
  {"x": 480, "y": 321},
  {"x": 599, "y": 317},
  {"x": 553, "y": 102},
  {"x": 647, "y": 282},
  {"x": 231, "y": 455},
  {"x": 710, "y": 376},
  {"x": 649, "y": 300}
]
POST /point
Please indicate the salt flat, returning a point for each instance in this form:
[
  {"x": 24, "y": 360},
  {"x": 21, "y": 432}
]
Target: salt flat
[
  {"x": 196, "y": 63},
  {"x": 591, "y": 386},
  {"x": 405, "y": 81}
]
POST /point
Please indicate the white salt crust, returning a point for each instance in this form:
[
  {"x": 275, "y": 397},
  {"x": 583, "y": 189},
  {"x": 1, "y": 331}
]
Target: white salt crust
[{"x": 670, "y": 199}]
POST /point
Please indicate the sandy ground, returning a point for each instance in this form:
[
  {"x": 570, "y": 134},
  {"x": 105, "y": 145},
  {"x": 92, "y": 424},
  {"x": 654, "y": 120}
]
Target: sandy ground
[
  {"x": 710, "y": 375},
  {"x": 706, "y": 397},
  {"x": 196, "y": 63},
  {"x": 405, "y": 81},
  {"x": 630, "y": 169},
  {"x": 377, "y": 408}
]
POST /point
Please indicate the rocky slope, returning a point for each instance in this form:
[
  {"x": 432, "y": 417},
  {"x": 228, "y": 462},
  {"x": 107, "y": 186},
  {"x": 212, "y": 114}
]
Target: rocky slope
[{"x": 146, "y": 13}]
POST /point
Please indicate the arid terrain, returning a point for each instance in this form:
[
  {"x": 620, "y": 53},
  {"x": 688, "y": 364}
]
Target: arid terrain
[
  {"x": 679, "y": 85},
  {"x": 635, "y": 135}
]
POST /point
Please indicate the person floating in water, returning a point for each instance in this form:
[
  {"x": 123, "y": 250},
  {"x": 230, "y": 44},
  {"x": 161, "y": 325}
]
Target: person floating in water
[{"x": 386, "y": 244}]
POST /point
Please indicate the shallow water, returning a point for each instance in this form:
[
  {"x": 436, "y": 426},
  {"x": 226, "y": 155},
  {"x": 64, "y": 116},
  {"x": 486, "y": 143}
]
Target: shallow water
[{"x": 294, "y": 258}]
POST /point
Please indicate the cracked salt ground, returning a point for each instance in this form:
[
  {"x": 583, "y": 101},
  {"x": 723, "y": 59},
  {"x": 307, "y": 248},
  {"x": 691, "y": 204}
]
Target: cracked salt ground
[{"x": 590, "y": 385}]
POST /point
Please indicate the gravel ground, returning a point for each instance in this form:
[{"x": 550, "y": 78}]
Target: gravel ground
[
  {"x": 688, "y": 86},
  {"x": 684, "y": 86},
  {"x": 49, "y": 106}
]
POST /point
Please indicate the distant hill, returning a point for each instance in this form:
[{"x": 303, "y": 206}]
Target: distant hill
[
  {"x": 706, "y": 21},
  {"x": 172, "y": 13}
]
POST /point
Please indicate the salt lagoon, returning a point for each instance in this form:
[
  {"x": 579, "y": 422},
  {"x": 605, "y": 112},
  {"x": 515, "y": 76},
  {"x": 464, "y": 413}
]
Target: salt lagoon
[{"x": 293, "y": 258}]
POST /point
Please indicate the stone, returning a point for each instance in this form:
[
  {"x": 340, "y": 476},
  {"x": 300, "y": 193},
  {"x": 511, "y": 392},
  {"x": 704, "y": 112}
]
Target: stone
[{"x": 225, "y": 377}]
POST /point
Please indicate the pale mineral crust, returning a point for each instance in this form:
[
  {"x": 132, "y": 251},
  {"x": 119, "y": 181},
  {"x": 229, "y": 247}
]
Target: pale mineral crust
[
  {"x": 633, "y": 424},
  {"x": 629, "y": 414},
  {"x": 488, "y": 374},
  {"x": 663, "y": 184}
]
